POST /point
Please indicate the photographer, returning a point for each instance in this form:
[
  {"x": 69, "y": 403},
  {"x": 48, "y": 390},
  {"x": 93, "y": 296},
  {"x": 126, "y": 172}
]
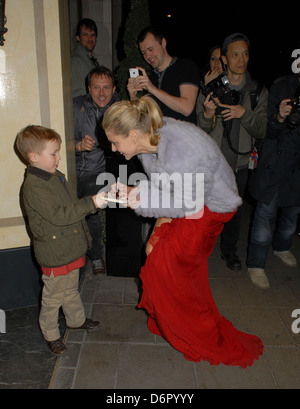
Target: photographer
[
  {"x": 275, "y": 183},
  {"x": 228, "y": 115},
  {"x": 173, "y": 82}
]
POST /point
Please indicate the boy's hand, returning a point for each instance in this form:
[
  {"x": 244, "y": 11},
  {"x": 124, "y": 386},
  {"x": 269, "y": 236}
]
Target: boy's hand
[{"x": 99, "y": 200}]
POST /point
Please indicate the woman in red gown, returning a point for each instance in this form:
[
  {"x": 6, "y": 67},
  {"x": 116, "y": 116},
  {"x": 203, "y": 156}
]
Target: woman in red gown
[
  {"x": 176, "y": 290},
  {"x": 178, "y": 298}
]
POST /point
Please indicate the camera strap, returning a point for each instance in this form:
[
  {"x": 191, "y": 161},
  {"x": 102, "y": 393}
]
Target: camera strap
[
  {"x": 226, "y": 134},
  {"x": 254, "y": 98}
]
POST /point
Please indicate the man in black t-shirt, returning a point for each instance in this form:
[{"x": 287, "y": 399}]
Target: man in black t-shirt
[{"x": 174, "y": 82}]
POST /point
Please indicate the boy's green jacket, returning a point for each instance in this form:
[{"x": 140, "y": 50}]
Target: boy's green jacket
[{"x": 56, "y": 218}]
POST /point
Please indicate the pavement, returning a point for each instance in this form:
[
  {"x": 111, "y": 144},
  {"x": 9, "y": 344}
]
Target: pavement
[{"x": 123, "y": 354}]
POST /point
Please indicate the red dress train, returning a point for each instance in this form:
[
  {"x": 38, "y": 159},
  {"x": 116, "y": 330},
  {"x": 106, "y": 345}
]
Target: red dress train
[{"x": 178, "y": 298}]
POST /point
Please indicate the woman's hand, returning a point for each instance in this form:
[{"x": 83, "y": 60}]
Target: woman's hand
[
  {"x": 126, "y": 193},
  {"x": 158, "y": 223},
  {"x": 211, "y": 75}
]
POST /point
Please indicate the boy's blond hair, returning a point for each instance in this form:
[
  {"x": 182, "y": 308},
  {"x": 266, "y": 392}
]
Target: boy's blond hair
[{"x": 33, "y": 138}]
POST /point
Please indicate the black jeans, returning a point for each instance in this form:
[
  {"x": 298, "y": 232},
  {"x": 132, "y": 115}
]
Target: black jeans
[
  {"x": 231, "y": 232},
  {"x": 86, "y": 186}
]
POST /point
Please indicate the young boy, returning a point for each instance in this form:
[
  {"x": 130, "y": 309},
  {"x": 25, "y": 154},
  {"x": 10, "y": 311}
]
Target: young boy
[{"x": 60, "y": 234}]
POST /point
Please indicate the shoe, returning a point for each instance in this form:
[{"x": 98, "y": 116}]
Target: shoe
[
  {"x": 232, "y": 261},
  {"x": 286, "y": 257},
  {"x": 57, "y": 347},
  {"x": 88, "y": 325},
  {"x": 259, "y": 278},
  {"x": 98, "y": 267}
]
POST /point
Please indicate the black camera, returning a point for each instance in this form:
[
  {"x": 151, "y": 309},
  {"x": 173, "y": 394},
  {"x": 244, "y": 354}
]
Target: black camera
[
  {"x": 219, "y": 87},
  {"x": 293, "y": 119}
]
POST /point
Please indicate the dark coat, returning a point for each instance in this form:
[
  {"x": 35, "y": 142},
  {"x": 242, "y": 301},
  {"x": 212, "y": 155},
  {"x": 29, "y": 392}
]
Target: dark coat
[
  {"x": 87, "y": 118},
  {"x": 279, "y": 159}
]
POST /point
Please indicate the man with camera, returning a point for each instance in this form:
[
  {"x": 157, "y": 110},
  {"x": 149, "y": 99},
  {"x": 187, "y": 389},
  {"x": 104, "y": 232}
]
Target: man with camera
[
  {"x": 173, "y": 83},
  {"x": 232, "y": 109},
  {"x": 275, "y": 184}
]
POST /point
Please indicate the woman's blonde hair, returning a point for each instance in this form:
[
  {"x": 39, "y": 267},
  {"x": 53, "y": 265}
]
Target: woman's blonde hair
[{"x": 143, "y": 114}]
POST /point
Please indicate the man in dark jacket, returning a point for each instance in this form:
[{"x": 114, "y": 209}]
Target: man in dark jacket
[
  {"x": 90, "y": 161},
  {"x": 276, "y": 181}
]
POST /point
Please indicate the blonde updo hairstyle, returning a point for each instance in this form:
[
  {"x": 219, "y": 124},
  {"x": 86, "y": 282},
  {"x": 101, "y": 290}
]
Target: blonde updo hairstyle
[{"x": 142, "y": 114}]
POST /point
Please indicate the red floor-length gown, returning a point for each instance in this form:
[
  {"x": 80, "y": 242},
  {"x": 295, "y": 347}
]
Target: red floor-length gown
[{"x": 178, "y": 298}]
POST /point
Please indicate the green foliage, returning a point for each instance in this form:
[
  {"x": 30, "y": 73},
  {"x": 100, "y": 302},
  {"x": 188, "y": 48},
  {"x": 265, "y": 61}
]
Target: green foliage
[{"x": 137, "y": 19}]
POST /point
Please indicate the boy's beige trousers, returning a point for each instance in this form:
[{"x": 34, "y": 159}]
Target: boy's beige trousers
[{"x": 60, "y": 291}]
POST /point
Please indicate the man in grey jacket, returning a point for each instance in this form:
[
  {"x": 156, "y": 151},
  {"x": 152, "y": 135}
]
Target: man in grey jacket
[
  {"x": 90, "y": 161},
  {"x": 82, "y": 58},
  {"x": 235, "y": 128}
]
